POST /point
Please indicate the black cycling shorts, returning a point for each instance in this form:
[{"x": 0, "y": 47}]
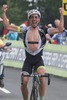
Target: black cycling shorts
[{"x": 31, "y": 61}]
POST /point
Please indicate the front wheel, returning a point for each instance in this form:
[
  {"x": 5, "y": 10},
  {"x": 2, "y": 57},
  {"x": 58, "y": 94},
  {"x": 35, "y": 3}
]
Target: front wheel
[{"x": 34, "y": 94}]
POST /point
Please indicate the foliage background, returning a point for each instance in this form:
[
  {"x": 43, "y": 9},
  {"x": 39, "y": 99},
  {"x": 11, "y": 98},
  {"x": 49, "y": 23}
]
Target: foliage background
[{"x": 17, "y": 12}]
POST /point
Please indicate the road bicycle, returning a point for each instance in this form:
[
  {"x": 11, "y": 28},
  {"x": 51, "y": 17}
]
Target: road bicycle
[
  {"x": 3, "y": 49},
  {"x": 35, "y": 82}
]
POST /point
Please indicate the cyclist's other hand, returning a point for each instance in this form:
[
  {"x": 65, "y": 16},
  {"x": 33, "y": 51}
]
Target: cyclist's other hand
[
  {"x": 4, "y": 8},
  {"x": 61, "y": 10}
]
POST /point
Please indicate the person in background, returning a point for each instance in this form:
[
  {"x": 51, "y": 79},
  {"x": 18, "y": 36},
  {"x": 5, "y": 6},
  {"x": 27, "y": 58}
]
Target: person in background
[
  {"x": 1, "y": 20},
  {"x": 49, "y": 25},
  {"x": 34, "y": 40},
  {"x": 3, "y": 48},
  {"x": 1, "y": 27},
  {"x": 60, "y": 38},
  {"x": 5, "y": 31},
  {"x": 24, "y": 24},
  {"x": 11, "y": 35},
  {"x": 49, "y": 36},
  {"x": 50, "y": 40},
  {"x": 1, "y": 66}
]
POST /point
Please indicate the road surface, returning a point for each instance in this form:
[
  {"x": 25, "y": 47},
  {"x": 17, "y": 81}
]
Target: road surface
[{"x": 57, "y": 90}]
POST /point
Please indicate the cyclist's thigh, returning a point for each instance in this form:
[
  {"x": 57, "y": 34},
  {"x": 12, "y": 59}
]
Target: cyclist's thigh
[
  {"x": 40, "y": 66},
  {"x": 27, "y": 68}
]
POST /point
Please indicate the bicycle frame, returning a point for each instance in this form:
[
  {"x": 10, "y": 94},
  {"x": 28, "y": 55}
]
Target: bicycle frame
[{"x": 34, "y": 91}]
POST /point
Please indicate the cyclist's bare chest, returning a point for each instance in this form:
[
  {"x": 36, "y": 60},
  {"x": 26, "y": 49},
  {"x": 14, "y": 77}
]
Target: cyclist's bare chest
[{"x": 33, "y": 36}]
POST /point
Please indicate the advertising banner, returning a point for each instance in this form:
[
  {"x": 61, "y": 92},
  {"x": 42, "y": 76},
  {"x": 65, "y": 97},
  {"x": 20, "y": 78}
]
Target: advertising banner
[{"x": 54, "y": 56}]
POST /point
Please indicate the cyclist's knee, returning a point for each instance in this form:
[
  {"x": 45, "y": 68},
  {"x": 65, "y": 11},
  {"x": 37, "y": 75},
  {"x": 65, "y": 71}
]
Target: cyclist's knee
[
  {"x": 41, "y": 70},
  {"x": 24, "y": 81}
]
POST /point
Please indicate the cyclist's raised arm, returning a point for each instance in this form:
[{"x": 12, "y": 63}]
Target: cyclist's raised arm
[
  {"x": 61, "y": 25},
  {"x": 5, "y": 21}
]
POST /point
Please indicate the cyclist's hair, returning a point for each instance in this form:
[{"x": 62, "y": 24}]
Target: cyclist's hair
[{"x": 34, "y": 11}]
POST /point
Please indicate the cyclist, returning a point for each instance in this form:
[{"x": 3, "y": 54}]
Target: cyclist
[{"x": 34, "y": 40}]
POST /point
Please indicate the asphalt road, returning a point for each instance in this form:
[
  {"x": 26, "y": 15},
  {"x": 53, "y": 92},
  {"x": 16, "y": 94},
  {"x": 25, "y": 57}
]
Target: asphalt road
[{"x": 57, "y": 90}]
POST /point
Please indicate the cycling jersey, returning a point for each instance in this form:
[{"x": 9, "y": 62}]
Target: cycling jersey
[{"x": 41, "y": 41}]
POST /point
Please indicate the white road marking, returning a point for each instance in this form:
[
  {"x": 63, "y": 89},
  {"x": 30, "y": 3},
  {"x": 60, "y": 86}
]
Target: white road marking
[{"x": 4, "y": 90}]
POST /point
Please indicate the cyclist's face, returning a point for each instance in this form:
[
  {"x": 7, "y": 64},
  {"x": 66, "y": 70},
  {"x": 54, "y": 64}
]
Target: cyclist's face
[{"x": 34, "y": 20}]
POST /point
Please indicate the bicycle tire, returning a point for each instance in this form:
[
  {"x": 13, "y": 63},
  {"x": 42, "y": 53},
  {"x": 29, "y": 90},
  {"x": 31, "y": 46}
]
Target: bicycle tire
[{"x": 34, "y": 94}]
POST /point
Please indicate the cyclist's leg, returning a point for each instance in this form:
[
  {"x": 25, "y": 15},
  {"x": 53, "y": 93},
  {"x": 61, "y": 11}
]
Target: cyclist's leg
[
  {"x": 42, "y": 85},
  {"x": 24, "y": 80},
  {"x": 24, "y": 89},
  {"x": 41, "y": 70}
]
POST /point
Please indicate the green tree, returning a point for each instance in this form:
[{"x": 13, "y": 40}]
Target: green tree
[
  {"x": 17, "y": 12},
  {"x": 49, "y": 10}
]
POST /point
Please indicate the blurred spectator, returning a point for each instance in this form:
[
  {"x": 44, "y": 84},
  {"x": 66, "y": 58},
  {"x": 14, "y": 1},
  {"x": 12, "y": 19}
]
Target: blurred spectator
[
  {"x": 1, "y": 20},
  {"x": 1, "y": 27},
  {"x": 11, "y": 35},
  {"x": 4, "y": 31},
  {"x": 49, "y": 25},
  {"x": 3, "y": 48},
  {"x": 50, "y": 40},
  {"x": 24, "y": 24},
  {"x": 60, "y": 38},
  {"x": 49, "y": 37},
  {"x": 1, "y": 66}
]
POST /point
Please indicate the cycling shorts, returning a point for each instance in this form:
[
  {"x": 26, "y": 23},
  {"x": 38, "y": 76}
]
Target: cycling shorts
[{"x": 31, "y": 61}]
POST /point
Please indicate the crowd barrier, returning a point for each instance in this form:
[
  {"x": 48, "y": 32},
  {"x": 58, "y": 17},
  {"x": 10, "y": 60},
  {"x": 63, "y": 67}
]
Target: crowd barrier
[{"x": 55, "y": 57}]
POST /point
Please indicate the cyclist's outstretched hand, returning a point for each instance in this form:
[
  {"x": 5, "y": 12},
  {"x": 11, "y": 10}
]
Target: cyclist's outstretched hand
[
  {"x": 4, "y": 8},
  {"x": 61, "y": 10}
]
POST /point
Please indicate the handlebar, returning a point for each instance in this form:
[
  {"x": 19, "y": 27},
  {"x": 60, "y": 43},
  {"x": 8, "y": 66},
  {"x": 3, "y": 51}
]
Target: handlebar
[{"x": 38, "y": 75}]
